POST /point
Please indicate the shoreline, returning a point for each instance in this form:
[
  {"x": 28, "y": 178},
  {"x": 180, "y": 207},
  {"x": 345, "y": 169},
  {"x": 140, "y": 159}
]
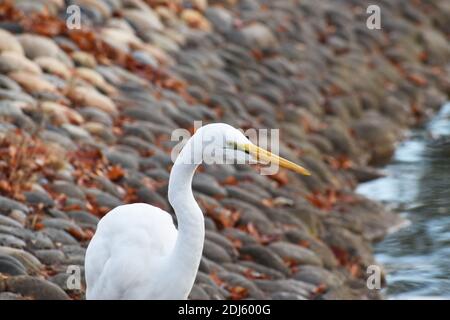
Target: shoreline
[
  {"x": 86, "y": 117},
  {"x": 407, "y": 279}
]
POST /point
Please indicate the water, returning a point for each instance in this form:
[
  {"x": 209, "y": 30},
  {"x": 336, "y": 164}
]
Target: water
[{"x": 417, "y": 257}]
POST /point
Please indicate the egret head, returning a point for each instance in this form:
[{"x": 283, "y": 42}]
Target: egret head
[{"x": 222, "y": 144}]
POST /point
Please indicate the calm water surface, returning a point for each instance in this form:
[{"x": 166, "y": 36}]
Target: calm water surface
[{"x": 417, "y": 186}]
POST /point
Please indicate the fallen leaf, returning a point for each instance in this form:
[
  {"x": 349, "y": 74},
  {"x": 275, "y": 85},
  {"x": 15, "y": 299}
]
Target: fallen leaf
[
  {"x": 238, "y": 293},
  {"x": 115, "y": 173},
  {"x": 417, "y": 79}
]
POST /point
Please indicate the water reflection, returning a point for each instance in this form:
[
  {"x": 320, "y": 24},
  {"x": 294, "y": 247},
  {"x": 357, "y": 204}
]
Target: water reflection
[{"x": 417, "y": 257}]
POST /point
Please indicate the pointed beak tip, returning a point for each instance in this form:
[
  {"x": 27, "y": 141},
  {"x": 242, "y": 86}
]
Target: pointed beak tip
[
  {"x": 260, "y": 153},
  {"x": 303, "y": 172}
]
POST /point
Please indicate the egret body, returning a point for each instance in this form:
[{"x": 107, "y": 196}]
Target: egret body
[{"x": 138, "y": 253}]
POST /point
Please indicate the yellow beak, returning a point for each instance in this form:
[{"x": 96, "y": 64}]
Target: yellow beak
[{"x": 263, "y": 155}]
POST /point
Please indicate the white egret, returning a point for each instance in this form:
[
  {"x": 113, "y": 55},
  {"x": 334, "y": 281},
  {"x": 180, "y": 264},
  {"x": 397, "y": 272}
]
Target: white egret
[{"x": 137, "y": 253}]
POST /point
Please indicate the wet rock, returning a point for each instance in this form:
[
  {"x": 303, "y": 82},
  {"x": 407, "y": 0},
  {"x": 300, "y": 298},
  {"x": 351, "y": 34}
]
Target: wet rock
[
  {"x": 250, "y": 214},
  {"x": 376, "y": 134},
  {"x": 61, "y": 224},
  {"x": 244, "y": 195},
  {"x": 96, "y": 79},
  {"x": 96, "y": 116},
  {"x": 236, "y": 280},
  {"x": 365, "y": 173},
  {"x": 437, "y": 46},
  {"x": 14, "y": 98},
  {"x": 59, "y": 236},
  {"x": 204, "y": 265},
  {"x": 38, "y": 46},
  {"x": 257, "y": 35},
  {"x": 348, "y": 245},
  {"x": 261, "y": 271},
  {"x": 74, "y": 203},
  {"x": 73, "y": 250},
  {"x": 223, "y": 242},
  {"x": 150, "y": 114},
  {"x": 53, "y": 66},
  {"x": 99, "y": 131},
  {"x": 7, "y": 205},
  {"x": 208, "y": 185},
  {"x": 34, "y": 288},
  {"x": 215, "y": 252},
  {"x": 204, "y": 280},
  {"x": 287, "y": 296},
  {"x": 39, "y": 198},
  {"x": 145, "y": 58},
  {"x": 294, "y": 253},
  {"x": 32, "y": 83},
  {"x": 55, "y": 213},
  {"x": 145, "y": 195},
  {"x": 140, "y": 145},
  {"x": 18, "y": 216},
  {"x": 317, "y": 276},
  {"x": 76, "y": 132},
  {"x": 83, "y": 218},
  {"x": 143, "y": 21},
  {"x": 9, "y": 43},
  {"x": 213, "y": 292},
  {"x": 220, "y": 18},
  {"x": 8, "y": 84},
  {"x": 68, "y": 189},
  {"x": 90, "y": 97},
  {"x": 57, "y": 138},
  {"x": 195, "y": 19},
  {"x": 11, "y": 266},
  {"x": 340, "y": 293},
  {"x": 103, "y": 199},
  {"x": 158, "y": 174},
  {"x": 28, "y": 261},
  {"x": 127, "y": 161},
  {"x": 10, "y": 221},
  {"x": 137, "y": 130},
  {"x": 313, "y": 244},
  {"x": 264, "y": 256},
  {"x": 210, "y": 266},
  {"x": 11, "y": 241},
  {"x": 39, "y": 240},
  {"x": 210, "y": 225},
  {"x": 291, "y": 286},
  {"x": 11, "y": 62},
  {"x": 280, "y": 216},
  {"x": 50, "y": 257},
  {"x": 108, "y": 186},
  {"x": 77, "y": 260},
  {"x": 198, "y": 293},
  {"x": 59, "y": 114},
  {"x": 10, "y": 296},
  {"x": 341, "y": 140},
  {"x": 236, "y": 235}
]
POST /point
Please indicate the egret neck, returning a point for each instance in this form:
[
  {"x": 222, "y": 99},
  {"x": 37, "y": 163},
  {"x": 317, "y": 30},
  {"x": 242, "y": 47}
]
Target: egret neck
[{"x": 185, "y": 258}]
